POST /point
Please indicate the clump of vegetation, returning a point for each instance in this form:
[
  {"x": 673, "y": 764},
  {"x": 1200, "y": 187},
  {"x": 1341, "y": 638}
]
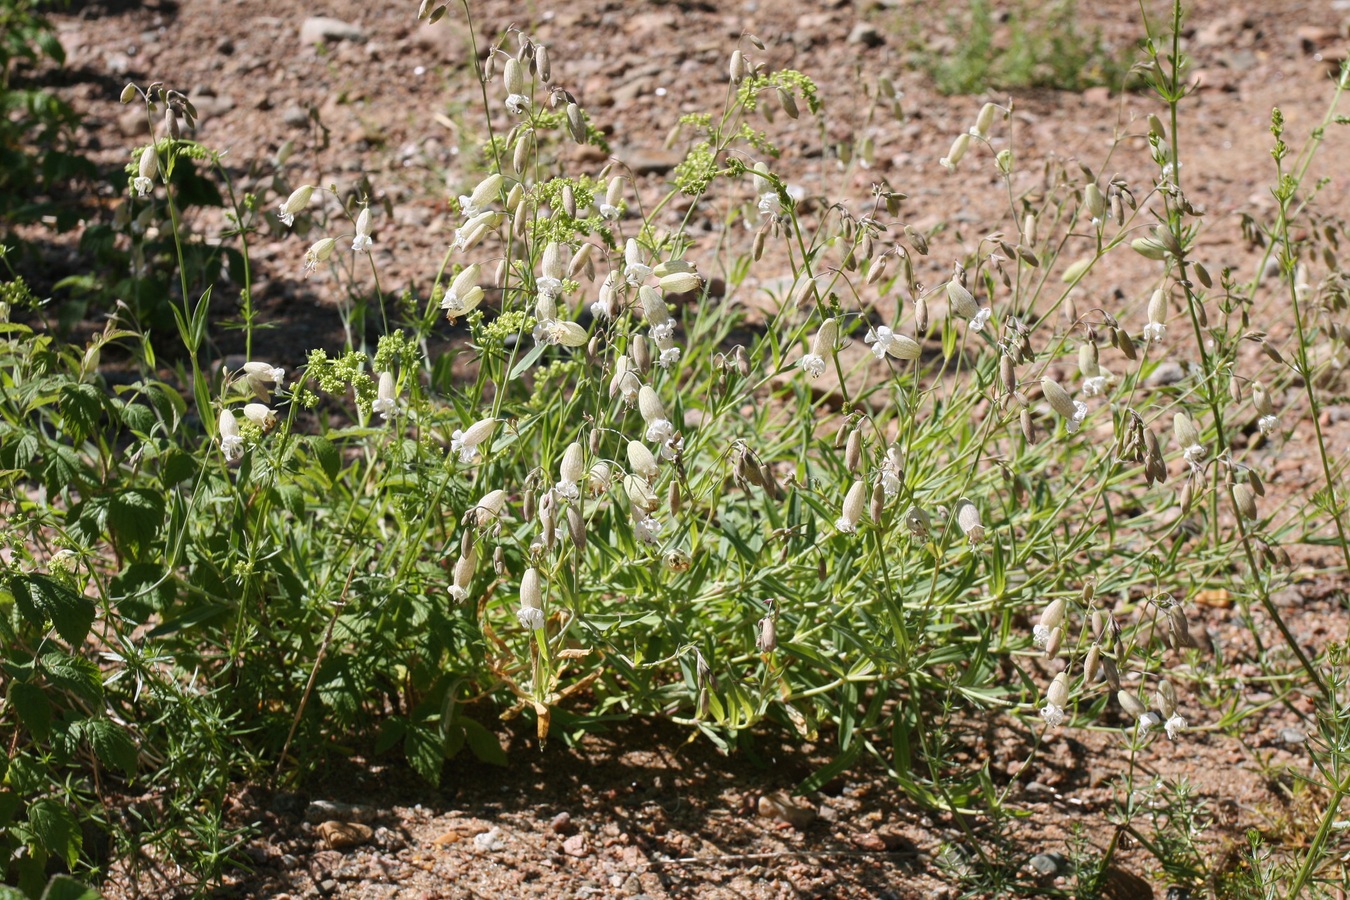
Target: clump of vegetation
[
  {"x": 1033, "y": 46},
  {"x": 871, "y": 513}
]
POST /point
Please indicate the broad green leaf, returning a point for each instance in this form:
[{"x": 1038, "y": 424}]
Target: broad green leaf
[
  {"x": 483, "y": 743},
  {"x": 56, "y": 829},
  {"x": 63, "y": 887},
  {"x": 42, "y": 598},
  {"x": 134, "y": 519},
  {"x": 425, "y": 749},
  {"x": 112, "y": 744},
  {"x": 33, "y": 708},
  {"x": 75, "y": 674}
]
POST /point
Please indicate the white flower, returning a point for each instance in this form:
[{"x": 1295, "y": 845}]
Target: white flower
[
  {"x": 458, "y": 594},
  {"x": 1268, "y": 424},
  {"x": 890, "y": 482},
  {"x": 385, "y": 399},
  {"x": 1195, "y": 454},
  {"x": 555, "y": 332},
  {"x": 813, "y": 365},
  {"x": 1053, "y": 715},
  {"x": 669, "y": 357},
  {"x": 145, "y": 175},
  {"x": 881, "y": 338},
  {"x": 464, "y": 293},
  {"x": 1147, "y": 721},
  {"x": 981, "y": 319},
  {"x": 635, "y": 270},
  {"x": 568, "y": 490},
  {"x": 1175, "y": 724},
  {"x": 1040, "y": 635},
  {"x": 1153, "y": 332},
  {"x": 465, "y": 443},
  {"x": 318, "y": 252},
  {"x": 1080, "y": 412},
  {"x": 609, "y": 212},
  {"x": 232, "y": 445},
  {"x": 297, "y": 201},
  {"x": 646, "y": 529},
  {"x": 549, "y": 287},
  {"x": 518, "y": 104},
  {"x": 362, "y": 240},
  {"x": 769, "y": 204},
  {"x": 530, "y": 618},
  {"x": 659, "y": 431},
  {"x": 1094, "y": 386}
]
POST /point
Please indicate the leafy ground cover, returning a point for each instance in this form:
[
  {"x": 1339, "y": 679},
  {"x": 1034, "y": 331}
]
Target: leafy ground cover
[{"x": 820, "y": 487}]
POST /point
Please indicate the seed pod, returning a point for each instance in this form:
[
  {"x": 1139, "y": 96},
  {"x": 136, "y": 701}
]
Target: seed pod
[
  {"x": 920, "y": 315},
  {"x": 736, "y": 67},
  {"x": 1261, "y": 400},
  {"x": 742, "y": 360},
  {"x": 642, "y": 354},
  {"x": 1155, "y": 127},
  {"x": 1179, "y": 628},
  {"x": 1110, "y": 673},
  {"x": 854, "y": 503},
  {"x": 1087, "y": 360},
  {"x": 878, "y": 505},
  {"x": 968, "y": 519},
  {"x": 1053, "y": 643},
  {"x": 520, "y": 159},
  {"x": 641, "y": 461},
  {"x": 528, "y": 505},
  {"x": 767, "y": 641},
  {"x": 788, "y": 102},
  {"x": 1094, "y": 203},
  {"x": 961, "y": 301},
  {"x": 1184, "y": 431},
  {"x": 853, "y": 450},
  {"x": 674, "y": 499},
  {"x": 1202, "y": 275},
  {"x": 1058, "y": 398},
  {"x": 1270, "y": 350},
  {"x": 1124, "y": 343},
  {"x": 917, "y": 239},
  {"x": 1053, "y": 614},
  {"x": 1165, "y": 698},
  {"x": 1184, "y": 499},
  {"x": 1092, "y": 664},
  {"x": 1244, "y": 499},
  {"x": 984, "y": 121},
  {"x": 541, "y": 63},
  {"x": 1149, "y": 248},
  {"x": 876, "y": 270},
  {"x": 1131, "y": 704},
  {"x": 576, "y": 527},
  {"x": 1028, "y": 427},
  {"x": 1007, "y": 374}
]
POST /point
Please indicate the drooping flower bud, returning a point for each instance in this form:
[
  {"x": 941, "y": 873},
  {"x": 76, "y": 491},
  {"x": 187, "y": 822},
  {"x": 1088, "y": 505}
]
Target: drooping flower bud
[
  {"x": 531, "y": 612},
  {"x": 854, "y": 504},
  {"x": 260, "y": 415},
  {"x": 297, "y": 201}
]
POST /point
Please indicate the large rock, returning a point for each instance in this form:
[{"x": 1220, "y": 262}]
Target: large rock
[{"x": 317, "y": 29}]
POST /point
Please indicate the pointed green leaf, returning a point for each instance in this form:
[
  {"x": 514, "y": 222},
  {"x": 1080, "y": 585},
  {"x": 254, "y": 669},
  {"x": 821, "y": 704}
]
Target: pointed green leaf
[{"x": 42, "y": 598}]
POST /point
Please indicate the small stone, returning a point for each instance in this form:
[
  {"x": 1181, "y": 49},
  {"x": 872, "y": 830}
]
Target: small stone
[
  {"x": 490, "y": 841},
  {"x": 1166, "y": 373},
  {"x": 576, "y": 845},
  {"x": 317, "y": 29},
  {"x": 1292, "y": 735},
  {"x": 1046, "y": 864},
  {"x": 134, "y": 122},
  {"x": 344, "y": 835},
  {"x": 295, "y": 116},
  {"x": 779, "y": 806},
  {"x": 866, "y": 34},
  {"x": 562, "y": 823},
  {"x": 288, "y": 803}
]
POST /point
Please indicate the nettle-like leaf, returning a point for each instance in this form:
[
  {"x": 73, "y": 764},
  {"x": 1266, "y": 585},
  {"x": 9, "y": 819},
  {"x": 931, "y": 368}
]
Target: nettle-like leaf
[
  {"x": 56, "y": 829},
  {"x": 43, "y": 599}
]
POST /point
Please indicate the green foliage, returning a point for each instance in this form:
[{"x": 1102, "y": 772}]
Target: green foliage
[
  {"x": 1037, "y": 47},
  {"x": 657, "y": 509}
]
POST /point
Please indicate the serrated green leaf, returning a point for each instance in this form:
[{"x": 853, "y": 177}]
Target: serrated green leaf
[
  {"x": 63, "y": 887},
  {"x": 56, "y": 829},
  {"x": 33, "y": 708},
  {"x": 41, "y": 599},
  {"x": 134, "y": 519},
  {"x": 112, "y": 744},
  {"x": 483, "y": 743},
  {"x": 138, "y": 418},
  {"x": 327, "y": 454},
  {"x": 9, "y": 893},
  {"x": 392, "y": 731},
  {"x": 81, "y": 408},
  {"x": 425, "y": 750},
  {"x": 75, "y": 674}
]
